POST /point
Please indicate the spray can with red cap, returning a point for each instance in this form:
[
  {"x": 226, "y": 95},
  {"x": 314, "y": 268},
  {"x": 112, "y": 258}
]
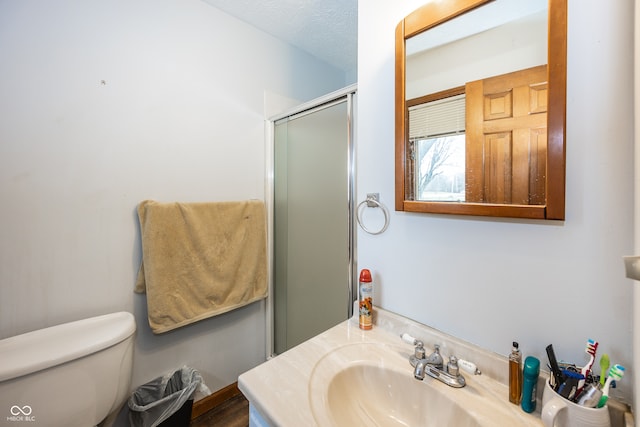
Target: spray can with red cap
[{"x": 365, "y": 300}]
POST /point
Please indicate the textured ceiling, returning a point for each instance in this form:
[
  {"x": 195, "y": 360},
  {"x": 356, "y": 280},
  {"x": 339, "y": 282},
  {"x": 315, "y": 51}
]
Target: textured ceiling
[{"x": 327, "y": 29}]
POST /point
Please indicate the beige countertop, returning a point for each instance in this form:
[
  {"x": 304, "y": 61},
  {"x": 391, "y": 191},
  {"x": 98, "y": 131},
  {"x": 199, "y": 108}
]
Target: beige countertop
[{"x": 284, "y": 390}]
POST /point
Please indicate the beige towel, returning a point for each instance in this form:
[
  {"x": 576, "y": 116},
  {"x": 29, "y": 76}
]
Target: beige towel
[{"x": 200, "y": 259}]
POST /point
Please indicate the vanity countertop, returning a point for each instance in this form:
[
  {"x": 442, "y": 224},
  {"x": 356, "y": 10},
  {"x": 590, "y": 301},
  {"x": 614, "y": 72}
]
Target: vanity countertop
[{"x": 279, "y": 389}]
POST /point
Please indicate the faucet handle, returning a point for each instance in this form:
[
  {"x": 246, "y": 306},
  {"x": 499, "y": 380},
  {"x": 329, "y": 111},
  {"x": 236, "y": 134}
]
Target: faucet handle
[
  {"x": 452, "y": 366},
  {"x": 419, "y": 351},
  {"x": 469, "y": 367},
  {"x": 410, "y": 339}
]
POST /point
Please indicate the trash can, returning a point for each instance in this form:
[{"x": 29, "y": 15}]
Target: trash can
[{"x": 166, "y": 401}]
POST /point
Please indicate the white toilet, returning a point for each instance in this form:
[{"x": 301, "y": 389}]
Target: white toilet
[{"x": 74, "y": 374}]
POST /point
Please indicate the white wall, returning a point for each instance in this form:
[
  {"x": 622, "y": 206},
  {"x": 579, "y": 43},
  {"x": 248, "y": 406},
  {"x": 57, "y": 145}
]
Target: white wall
[
  {"x": 103, "y": 105},
  {"x": 516, "y": 45},
  {"x": 494, "y": 281}
]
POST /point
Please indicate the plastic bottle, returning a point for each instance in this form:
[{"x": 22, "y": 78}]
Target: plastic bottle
[
  {"x": 365, "y": 300},
  {"x": 515, "y": 374},
  {"x": 530, "y": 374}
]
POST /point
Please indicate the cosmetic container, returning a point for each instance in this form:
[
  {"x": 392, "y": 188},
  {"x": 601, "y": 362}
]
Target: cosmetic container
[
  {"x": 515, "y": 374},
  {"x": 530, "y": 374}
]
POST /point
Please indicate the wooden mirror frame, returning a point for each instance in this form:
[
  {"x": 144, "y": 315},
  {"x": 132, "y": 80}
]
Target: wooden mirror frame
[{"x": 437, "y": 12}]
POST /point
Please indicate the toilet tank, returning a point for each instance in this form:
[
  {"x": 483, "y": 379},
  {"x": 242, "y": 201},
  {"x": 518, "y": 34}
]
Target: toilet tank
[{"x": 72, "y": 374}]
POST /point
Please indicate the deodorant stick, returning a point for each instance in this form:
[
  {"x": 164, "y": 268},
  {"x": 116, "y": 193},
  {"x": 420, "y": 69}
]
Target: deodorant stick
[{"x": 530, "y": 374}]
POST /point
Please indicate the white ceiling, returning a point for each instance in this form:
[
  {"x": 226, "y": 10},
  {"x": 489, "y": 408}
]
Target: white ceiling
[{"x": 327, "y": 29}]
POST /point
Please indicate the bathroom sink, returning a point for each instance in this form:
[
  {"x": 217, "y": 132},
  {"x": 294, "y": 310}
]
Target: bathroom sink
[
  {"x": 373, "y": 385},
  {"x": 349, "y": 377}
]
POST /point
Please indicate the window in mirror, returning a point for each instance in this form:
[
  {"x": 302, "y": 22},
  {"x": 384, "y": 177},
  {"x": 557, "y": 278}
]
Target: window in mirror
[
  {"x": 441, "y": 173},
  {"x": 437, "y": 148}
]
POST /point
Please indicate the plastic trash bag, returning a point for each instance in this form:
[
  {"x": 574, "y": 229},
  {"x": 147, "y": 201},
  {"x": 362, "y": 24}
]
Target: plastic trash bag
[{"x": 155, "y": 401}]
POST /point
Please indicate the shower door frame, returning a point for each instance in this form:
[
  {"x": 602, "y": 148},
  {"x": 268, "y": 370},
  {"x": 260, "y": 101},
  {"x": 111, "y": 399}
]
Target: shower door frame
[{"x": 349, "y": 94}]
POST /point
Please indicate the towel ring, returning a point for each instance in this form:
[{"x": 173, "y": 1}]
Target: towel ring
[{"x": 372, "y": 202}]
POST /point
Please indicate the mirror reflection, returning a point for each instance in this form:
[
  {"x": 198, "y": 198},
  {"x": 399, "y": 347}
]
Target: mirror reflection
[
  {"x": 496, "y": 39},
  {"x": 475, "y": 109}
]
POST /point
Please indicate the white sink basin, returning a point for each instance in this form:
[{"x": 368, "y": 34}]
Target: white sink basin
[{"x": 373, "y": 385}]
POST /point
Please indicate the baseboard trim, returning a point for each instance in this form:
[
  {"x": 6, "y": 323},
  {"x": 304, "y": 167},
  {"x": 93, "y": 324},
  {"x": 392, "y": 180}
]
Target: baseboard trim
[{"x": 214, "y": 399}]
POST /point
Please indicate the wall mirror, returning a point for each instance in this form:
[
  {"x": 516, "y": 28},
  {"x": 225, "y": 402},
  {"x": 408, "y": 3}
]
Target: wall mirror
[{"x": 480, "y": 108}]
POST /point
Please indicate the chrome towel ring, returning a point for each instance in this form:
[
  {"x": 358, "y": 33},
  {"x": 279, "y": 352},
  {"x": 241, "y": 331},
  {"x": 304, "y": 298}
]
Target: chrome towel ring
[{"x": 372, "y": 202}]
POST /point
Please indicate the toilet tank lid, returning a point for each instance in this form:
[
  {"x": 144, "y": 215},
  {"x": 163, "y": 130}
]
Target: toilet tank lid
[{"x": 44, "y": 348}]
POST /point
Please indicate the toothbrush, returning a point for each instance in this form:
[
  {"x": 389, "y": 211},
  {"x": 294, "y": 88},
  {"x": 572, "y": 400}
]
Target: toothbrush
[
  {"x": 615, "y": 373},
  {"x": 590, "y": 349},
  {"x": 604, "y": 365}
]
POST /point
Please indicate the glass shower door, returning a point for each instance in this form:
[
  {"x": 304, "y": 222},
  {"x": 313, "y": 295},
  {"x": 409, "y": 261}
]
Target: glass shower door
[{"x": 311, "y": 223}]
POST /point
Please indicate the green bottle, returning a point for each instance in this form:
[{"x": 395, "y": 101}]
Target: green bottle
[{"x": 530, "y": 374}]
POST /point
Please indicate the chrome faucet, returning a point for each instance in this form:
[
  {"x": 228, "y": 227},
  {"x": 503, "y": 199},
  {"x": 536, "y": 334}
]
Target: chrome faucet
[{"x": 433, "y": 365}]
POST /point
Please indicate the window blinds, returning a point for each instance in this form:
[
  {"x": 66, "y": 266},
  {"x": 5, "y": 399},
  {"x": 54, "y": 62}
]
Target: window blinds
[{"x": 437, "y": 118}]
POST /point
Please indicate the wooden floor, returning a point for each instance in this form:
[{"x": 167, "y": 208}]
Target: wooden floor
[{"x": 233, "y": 412}]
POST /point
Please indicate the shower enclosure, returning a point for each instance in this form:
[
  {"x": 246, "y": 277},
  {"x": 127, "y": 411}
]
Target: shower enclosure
[{"x": 313, "y": 237}]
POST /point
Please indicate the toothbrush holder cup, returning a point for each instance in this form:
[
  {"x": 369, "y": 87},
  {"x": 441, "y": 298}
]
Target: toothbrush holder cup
[{"x": 560, "y": 412}]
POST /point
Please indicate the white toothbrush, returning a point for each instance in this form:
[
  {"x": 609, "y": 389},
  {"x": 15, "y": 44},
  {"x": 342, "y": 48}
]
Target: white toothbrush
[{"x": 590, "y": 349}]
